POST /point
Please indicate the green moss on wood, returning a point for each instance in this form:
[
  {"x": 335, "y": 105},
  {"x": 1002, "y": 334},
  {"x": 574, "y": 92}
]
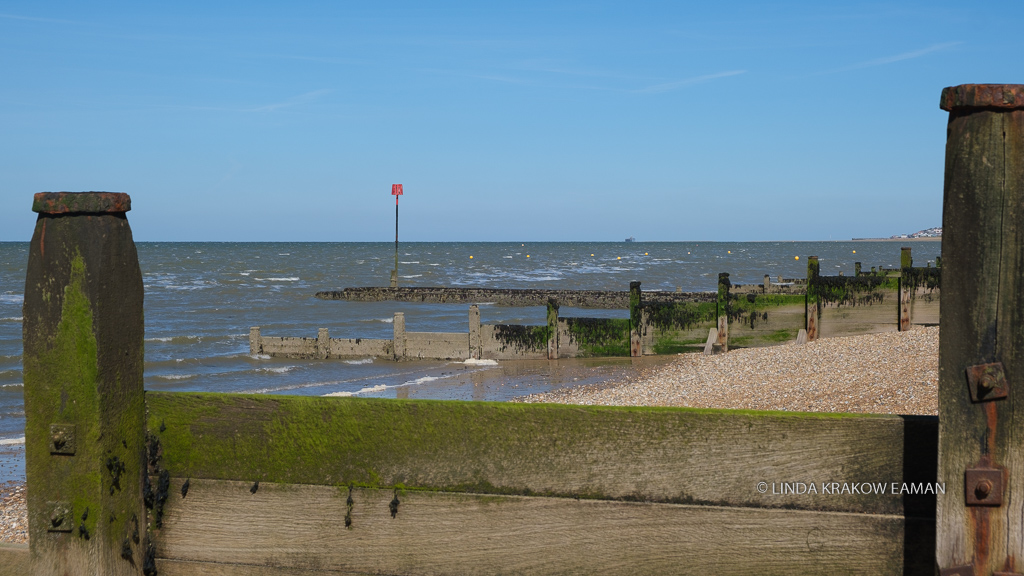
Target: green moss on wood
[
  {"x": 61, "y": 384},
  {"x": 433, "y": 445},
  {"x": 521, "y": 337},
  {"x": 599, "y": 336}
]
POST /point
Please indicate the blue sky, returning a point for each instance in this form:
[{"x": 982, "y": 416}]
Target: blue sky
[{"x": 521, "y": 121}]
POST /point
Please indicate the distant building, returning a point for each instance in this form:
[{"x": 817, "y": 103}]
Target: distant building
[{"x": 929, "y": 233}]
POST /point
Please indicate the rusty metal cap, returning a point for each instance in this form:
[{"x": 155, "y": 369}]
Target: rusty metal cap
[
  {"x": 1007, "y": 96},
  {"x": 81, "y": 202}
]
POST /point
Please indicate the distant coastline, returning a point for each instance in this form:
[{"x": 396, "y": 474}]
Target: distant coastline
[{"x": 928, "y": 239}]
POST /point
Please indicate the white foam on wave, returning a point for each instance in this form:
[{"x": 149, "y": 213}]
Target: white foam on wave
[
  {"x": 15, "y": 385},
  {"x": 480, "y": 362},
  {"x": 279, "y": 369},
  {"x": 175, "y": 376},
  {"x": 12, "y": 441},
  {"x": 288, "y": 279},
  {"x": 244, "y": 273},
  {"x": 363, "y": 361},
  {"x": 423, "y": 380},
  {"x": 384, "y": 320},
  {"x": 413, "y": 276},
  {"x": 12, "y": 298},
  {"x": 260, "y": 356},
  {"x": 285, "y": 254},
  {"x": 13, "y": 319},
  {"x": 416, "y": 262}
]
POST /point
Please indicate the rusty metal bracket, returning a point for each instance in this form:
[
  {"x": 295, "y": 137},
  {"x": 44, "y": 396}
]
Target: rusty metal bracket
[
  {"x": 62, "y": 439},
  {"x": 60, "y": 517},
  {"x": 987, "y": 382},
  {"x": 957, "y": 571},
  {"x": 983, "y": 487}
]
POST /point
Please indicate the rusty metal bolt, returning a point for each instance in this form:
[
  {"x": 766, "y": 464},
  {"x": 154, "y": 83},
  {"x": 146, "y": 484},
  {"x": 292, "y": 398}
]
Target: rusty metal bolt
[
  {"x": 987, "y": 381},
  {"x": 983, "y": 489},
  {"x": 57, "y": 517},
  {"x": 59, "y": 439}
]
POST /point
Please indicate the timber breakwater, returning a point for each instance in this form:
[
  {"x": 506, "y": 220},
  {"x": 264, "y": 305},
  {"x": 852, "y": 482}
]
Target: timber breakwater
[
  {"x": 659, "y": 322},
  {"x": 594, "y": 299}
]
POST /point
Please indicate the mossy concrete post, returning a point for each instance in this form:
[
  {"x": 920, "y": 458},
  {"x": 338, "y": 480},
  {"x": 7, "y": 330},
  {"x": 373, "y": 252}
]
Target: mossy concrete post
[
  {"x": 767, "y": 283},
  {"x": 722, "y": 314},
  {"x": 552, "y": 329},
  {"x": 636, "y": 320},
  {"x": 84, "y": 401},
  {"x": 255, "y": 346},
  {"x": 399, "y": 338},
  {"x": 475, "y": 342},
  {"x": 323, "y": 343},
  {"x": 938, "y": 261},
  {"x": 856, "y": 269},
  {"x": 812, "y": 309},
  {"x": 906, "y": 288},
  {"x": 982, "y": 332}
]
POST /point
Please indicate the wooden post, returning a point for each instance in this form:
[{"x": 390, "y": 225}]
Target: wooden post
[
  {"x": 723, "y": 310},
  {"x": 84, "y": 402},
  {"x": 323, "y": 343},
  {"x": 812, "y": 310},
  {"x": 475, "y": 343},
  {"x": 399, "y": 337},
  {"x": 982, "y": 325},
  {"x": 856, "y": 268},
  {"x": 636, "y": 324},
  {"x": 552, "y": 329},
  {"x": 906, "y": 288},
  {"x": 255, "y": 346}
]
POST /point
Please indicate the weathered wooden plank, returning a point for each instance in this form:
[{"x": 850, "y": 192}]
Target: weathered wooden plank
[
  {"x": 167, "y": 567},
  {"x": 84, "y": 399},
  {"x": 301, "y": 527},
  {"x": 14, "y": 560},
  {"x": 646, "y": 454},
  {"x": 982, "y": 322}
]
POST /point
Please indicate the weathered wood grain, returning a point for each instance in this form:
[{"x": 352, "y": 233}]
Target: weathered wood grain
[
  {"x": 14, "y": 560},
  {"x": 982, "y": 322},
  {"x": 299, "y": 527},
  {"x": 165, "y": 567},
  {"x": 644, "y": 454}
]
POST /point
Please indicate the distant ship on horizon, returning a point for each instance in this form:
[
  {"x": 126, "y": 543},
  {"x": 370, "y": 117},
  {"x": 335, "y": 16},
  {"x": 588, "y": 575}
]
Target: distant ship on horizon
[{"x": 630, "y": 239}]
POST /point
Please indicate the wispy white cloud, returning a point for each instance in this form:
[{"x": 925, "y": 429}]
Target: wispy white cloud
[
  {"x": 293, "y": 101},
  {"x": 35, "y": 19},
  {"x": 898, "y": 57},
  {"x": 290, "y": 102},
  {"x": 667, "y": 86}
]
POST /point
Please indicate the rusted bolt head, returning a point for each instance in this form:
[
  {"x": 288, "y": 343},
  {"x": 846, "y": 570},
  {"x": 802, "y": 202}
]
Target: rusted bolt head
[
  {"x": 57, "y": 517},
  {"x": 59, "y": 439},
  {"x": 987, "y": 380},
  {"x": 983, "y": 489}
]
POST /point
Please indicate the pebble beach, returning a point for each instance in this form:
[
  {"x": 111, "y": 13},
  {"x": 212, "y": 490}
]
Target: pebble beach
[{"x": 888, "y": 373}]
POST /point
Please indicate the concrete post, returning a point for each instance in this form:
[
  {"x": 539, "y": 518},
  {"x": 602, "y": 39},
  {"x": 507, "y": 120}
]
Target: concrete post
[
  {"x": 906, "y": 289},
  {"x": 85, "y": 408},
  {"x": 980, "y": 517},
  {"x": 767, "y": 283},
  {"x": 399, "y": 341},
  {"x": 856, "y": 269},
  {"x": 812, "y": 308},
  {"x": 552, "y": 329},
  {"x": 475, "y": 343},
  {"x": 255, "y": 346},
  {"x": 323, "y": 344},
  {"x": 636, "y": 324},
  {"x": 723, "y": 310}
]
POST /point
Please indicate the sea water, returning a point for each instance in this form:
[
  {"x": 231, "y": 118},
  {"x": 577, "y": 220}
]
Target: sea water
[{"x": 201, "y": 298}]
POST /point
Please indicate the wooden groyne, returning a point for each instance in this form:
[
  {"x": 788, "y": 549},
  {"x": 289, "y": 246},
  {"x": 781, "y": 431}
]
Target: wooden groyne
[
  {"x": 741, "y": 316},
  {"x": 595, "y": 299}
]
